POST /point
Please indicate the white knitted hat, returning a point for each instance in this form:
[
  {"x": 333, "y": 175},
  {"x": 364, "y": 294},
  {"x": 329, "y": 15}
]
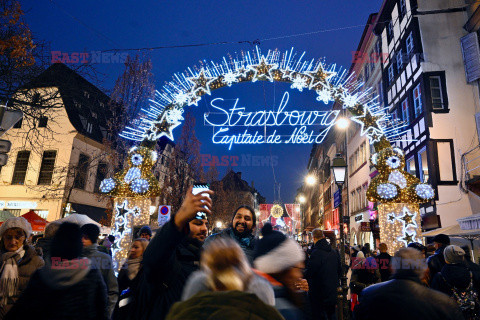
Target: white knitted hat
[{"x": 16, "y": 222}]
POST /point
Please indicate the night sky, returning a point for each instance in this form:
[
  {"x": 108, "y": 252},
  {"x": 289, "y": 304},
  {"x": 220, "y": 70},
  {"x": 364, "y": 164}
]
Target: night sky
[{"x": 326, "y": 28}]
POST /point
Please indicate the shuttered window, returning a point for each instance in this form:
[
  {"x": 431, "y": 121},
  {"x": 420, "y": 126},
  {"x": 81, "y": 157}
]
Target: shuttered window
[
  {"x": 471, "y": 56},
  {"x": 21, "y": 166},
  {"x": 47, "y": 166}
]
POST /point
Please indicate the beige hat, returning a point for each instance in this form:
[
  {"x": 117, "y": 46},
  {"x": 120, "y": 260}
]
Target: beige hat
[{"x": 16, "y": 222}]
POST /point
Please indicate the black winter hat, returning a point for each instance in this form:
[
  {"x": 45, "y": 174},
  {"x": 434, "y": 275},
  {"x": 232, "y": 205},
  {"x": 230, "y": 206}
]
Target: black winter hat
[
  {"x": 67, "y": 242},
  {"x": 145, "y": 229},
  {"x": 91, "y": 231},
  {"x": 275, "y": 252},
  {"x": 442, "y": 238}
]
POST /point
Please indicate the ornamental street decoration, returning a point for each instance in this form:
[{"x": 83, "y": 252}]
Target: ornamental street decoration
[
  {"x": 399, "y": 192},
  {"x": 329, "y": 82}
]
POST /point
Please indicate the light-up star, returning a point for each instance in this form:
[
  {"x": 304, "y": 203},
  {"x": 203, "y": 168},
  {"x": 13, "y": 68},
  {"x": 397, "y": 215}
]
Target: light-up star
[
  {"x": 368, "y": 121},
  {"x": 288, "y": 74},
  {"x": 299, "y": 82},
  {"x": 374, "y": 135},
  {"x": 163, "y": 129},
  {"x": 262, "y": 71},
  {"x": 193, "y": 99},
  {"x": 201, "y": 83},
  {"x": 122, "y": 210},
  {"x": 407, "y": 238},
  {"x": 408, "y": 218},
  {"x": 230, "y": 78},
  {"x": 391, "y": 217},
  {"x": 320, "y": 76},
  {"x": 324, "y": 95}
]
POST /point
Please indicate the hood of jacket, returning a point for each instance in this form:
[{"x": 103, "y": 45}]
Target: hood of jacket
[
  {"x": 323, "y": 244},
  {"x": 89, "y": 250},
  {"x": 457, "y": 275},
  {"x": 60, "y": 274}
]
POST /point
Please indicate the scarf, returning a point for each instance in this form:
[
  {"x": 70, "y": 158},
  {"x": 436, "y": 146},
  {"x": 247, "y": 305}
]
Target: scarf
[
  {"x": 133, "y": 267},
  {"x": 244, "y": 242},
  {"x": 9, "y": 274}
]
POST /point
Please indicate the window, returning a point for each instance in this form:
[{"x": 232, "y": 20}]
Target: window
[
  {"x": 446, "y": 162},
  {"x": 18, "y": 125},
  {"x": 394, "y": 115},
  {"x": 403, "y": 8},
  {"x": 417, "y": 100},
  {"x": 21, "y": 165},
  {"x": 380, "y": 93},
  {"x": 42, "y": 122},
  {"x": 89, "y": 127},
  {"x": 423, "y": 165},
  {"x": 436, "y": 92},
  {"x": 399, "y": 60},
  {"x": 81, "y": 172},
  {"x": 390, "y": 31},
  {"x": 411, "y": 166},
  {"x": 409, "y": 43},
  {"x": 391, "y": 74},
  {"x": 405, "y": 111},
  {"x": 47, "y": 166},
  {"x": 102, "y": 170}
]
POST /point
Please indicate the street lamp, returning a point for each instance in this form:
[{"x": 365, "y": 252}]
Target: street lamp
[
  {"x": 310, "y": 180},
  {"x": 339, "y": 168},
  {"x": 342, "y": 123},
  {"x": 219, "y": 224},
  {"x": 302, "y": 199}
]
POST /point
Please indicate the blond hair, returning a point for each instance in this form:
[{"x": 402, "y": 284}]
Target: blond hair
[{"x": 226, "y": 266}]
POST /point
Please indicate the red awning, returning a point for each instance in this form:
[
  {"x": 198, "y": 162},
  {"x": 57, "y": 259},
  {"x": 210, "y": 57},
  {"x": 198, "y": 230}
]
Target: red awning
[{"x": 37, "y": 222}]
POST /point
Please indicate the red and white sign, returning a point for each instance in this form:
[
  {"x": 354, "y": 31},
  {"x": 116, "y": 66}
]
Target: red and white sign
[{"x": 164, "y": 214}]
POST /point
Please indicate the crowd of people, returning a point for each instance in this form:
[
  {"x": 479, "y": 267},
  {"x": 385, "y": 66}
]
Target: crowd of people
[{"x": 182, "y": 273}]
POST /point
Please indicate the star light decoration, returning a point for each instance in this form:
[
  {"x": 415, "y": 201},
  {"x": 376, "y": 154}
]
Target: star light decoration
[
  {"x": 122, "y": 230},
  {"x": 329, "y": 82}
]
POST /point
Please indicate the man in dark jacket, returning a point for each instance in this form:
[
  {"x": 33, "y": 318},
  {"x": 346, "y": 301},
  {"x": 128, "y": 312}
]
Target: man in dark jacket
[
  {"x": 383, "y": 262},
  {"x": 241, "y": 230},
  {"x": 171, "y": 256},
  {"x": 323, "y": 274},
  {"x": 404, "y": 297},
  {"x": 100, "y": 261},
  {"x": 437, "y": 261}
]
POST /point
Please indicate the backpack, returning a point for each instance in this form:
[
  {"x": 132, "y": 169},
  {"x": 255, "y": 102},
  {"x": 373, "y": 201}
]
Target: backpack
[{"x": 467, "y": 300}]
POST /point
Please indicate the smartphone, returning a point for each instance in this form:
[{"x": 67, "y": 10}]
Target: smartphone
[{"x": 199, "y": 188}]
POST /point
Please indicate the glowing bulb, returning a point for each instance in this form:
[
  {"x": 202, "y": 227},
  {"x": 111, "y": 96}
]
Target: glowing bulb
[
  {"x": 219, "y": 224},
  {"x": 302, "y": 199},
  {"x": 310, "y": 180},
  {"x": 342, "y": 123}
]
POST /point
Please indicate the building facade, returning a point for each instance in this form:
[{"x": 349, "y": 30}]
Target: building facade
[
  {"x": 59, "y": 158},
  {"x": 425, "y": 87}
]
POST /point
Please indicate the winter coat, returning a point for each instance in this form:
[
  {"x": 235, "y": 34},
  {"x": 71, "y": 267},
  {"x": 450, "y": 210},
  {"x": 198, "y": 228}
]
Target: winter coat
[
  {"x": 364, "y": 273},
  {"x": 404, "y": 297},
  {"x": 247, "y": 243},
  {"x": 436, "y": 262},
  {"x": 58, "y": 294},
  {"x": 44, "y": 244},
  {"x": 103, "y": 262},
  {"x": 384, "y": 265},
  {"x": 456, "y": 275},
  {"x": 220, "y": 305},
  {"x": 170, "y": 258},
  {"x": 323, "y": 272},
  {"x": 197, "y": 282},
  {"x": 26, "y": 268}
]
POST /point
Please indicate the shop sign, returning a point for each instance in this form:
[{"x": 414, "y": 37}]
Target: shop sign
[
  {"x": 365, "y": 227},
  {"x": 18, "y": 204},
  {"x": 359, "y": 217}
]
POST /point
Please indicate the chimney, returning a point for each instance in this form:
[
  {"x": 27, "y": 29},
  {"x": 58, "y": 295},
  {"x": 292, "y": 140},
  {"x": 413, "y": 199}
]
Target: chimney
[{"x": 253, "y": 184}]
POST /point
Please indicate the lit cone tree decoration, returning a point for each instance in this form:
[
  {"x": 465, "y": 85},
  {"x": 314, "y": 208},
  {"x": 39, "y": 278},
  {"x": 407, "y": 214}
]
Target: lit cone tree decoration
[
  {"x": 132, "y": 190},
  {"x": 400, "y": 194}
]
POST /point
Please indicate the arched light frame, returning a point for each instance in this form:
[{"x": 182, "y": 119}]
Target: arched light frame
[{"x": 165, "y": 111}]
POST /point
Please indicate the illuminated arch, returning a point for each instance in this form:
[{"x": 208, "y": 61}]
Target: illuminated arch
[{"x": 330, "y": 83}]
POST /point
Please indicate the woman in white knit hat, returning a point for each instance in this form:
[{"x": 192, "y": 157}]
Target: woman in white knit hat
[{"x": 18, "y": 261}]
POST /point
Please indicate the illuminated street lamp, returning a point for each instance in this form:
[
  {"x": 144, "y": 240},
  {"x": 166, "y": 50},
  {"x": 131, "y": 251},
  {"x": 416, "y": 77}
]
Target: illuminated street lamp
[
  {"x": 339, "y": 168},
  {"x": 302, "y": 199},
  {"x": 342, "y": 123},
  {"x": 219, "y": 224},
  {"x": 310, "y": 180}
]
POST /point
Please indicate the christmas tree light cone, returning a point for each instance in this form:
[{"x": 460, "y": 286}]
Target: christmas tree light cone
[
  {"x": 129, "y": 213},
  {"x": 399, "y": 225}
]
